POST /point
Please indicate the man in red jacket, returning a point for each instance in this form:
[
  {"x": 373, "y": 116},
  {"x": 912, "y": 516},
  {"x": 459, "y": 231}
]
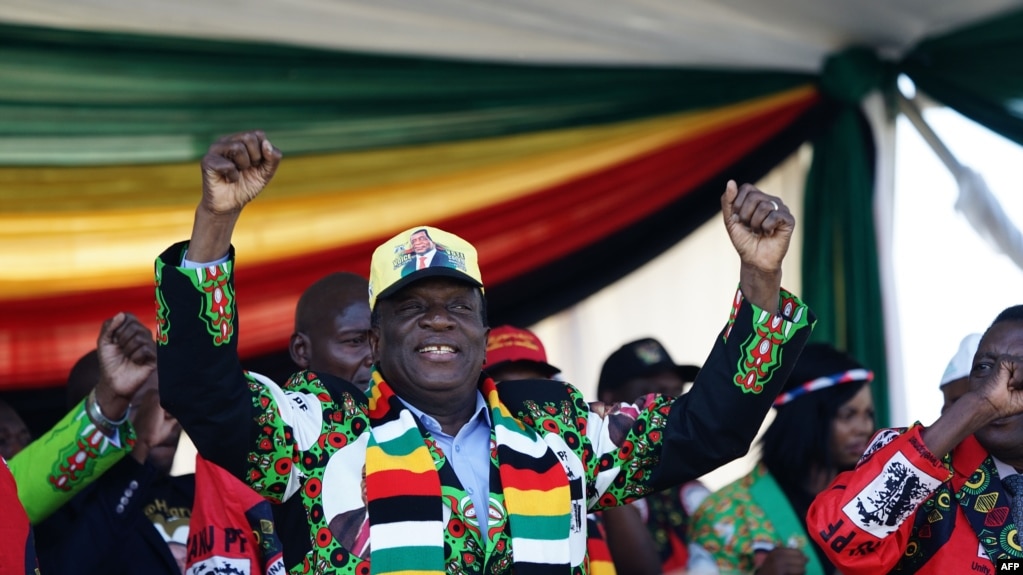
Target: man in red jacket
[{"x": 942, "y": 499}]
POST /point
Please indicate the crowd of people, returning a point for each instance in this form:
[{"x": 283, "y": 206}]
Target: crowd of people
[{"x": 415, "y": 437}]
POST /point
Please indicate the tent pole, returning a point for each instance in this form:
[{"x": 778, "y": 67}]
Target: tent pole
[
  {"x": 912, "y": 111},
  {"x": 883, "y": 126}
]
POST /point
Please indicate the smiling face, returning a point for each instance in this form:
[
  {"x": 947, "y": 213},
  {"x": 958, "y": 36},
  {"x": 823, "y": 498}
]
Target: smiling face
[
  {"x": 1003, "y": 437},
  {"x": 430, "y": 340},
  {"x": 851, "y": 429},
  {"x": 421, "y": 242}
]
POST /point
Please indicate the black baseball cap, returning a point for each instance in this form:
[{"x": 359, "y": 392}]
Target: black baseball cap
[{"x": 638, "y": 359}]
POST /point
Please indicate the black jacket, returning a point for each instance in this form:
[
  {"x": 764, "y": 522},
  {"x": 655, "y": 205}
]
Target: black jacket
[{"x": 108, "y": 528}]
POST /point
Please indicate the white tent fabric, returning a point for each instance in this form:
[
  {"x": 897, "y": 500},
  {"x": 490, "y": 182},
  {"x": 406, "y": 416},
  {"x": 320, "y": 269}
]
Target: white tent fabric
[
  {"x": 987, "y": 216},
  {"x": 976, "y": 202},
  {"x": 791, "y": 34}
]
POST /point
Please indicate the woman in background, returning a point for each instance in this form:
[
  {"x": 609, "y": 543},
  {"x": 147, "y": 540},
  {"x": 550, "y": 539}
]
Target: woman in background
[{"x": 824, "y": 420}]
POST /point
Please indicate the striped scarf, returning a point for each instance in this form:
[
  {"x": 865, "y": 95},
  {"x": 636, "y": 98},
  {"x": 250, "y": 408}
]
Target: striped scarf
[{"x": 403, "y": 491}]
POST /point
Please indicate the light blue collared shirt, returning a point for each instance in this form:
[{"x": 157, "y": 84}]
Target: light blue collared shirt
[
  {"x": 469, "y": 454},
  {"x": 189, "y": 264}
]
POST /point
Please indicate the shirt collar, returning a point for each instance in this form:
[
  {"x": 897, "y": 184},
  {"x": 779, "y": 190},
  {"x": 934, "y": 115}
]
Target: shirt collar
[
  {"x": 1004, "y": 469},
  {"x": 433, "y": 426}
]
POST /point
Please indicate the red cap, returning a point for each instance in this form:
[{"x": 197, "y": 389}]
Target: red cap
[{"x": 508, "y": 344}]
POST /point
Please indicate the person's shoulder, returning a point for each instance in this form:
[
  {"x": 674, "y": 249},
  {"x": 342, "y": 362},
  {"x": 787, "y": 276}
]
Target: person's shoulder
[
  {"x": 533, "y": 400},
  {"x": 535, "y": 390},
  {"x": 316, "y": 382}
]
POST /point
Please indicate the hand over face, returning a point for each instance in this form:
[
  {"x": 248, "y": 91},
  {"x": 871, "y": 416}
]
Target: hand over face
[
  {"x": 235, "y": 169},
  {"x": 997, "y": 381},
  {"x": 1001, "y": 384},
  {"x": 760, "y": 226}
]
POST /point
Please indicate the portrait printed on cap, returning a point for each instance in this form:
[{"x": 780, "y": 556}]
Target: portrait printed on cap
[{"x": 423, "y": 252}]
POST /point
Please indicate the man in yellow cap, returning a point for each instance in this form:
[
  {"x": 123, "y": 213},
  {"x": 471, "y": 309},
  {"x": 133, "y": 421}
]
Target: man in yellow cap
[{"x": 452, "y": 471}]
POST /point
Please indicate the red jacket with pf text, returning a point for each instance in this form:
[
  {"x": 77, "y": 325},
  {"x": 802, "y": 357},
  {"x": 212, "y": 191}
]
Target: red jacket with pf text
[{"x": 904, "y": 510}]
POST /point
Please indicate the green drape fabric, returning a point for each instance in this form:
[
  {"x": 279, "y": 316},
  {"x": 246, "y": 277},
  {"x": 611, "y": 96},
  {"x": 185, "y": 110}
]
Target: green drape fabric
[
  {"x": 551, "y": 166},
  {"x": 977, "y": 71},
  {"x": 84, "y": 98},
  {"x": 74, "y": 98},
  {"x": 840, "y": 263},
  {"x": 973, "y": 70}
]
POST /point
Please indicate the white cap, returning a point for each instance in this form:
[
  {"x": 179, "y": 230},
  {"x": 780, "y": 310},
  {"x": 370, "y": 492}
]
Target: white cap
[{"x": 962, "y": 361}]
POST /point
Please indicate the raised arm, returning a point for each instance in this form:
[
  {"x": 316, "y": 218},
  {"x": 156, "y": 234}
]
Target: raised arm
[
  {"x": 201, "y": 379},
  {"x": 127, "y": 358},
  {"x": 234, "y": 171},
  {"x": 997, "y": 392},
  {"x": 718, "y": 419},
  {"x": 865, "y": 518},
  {"x": 661, "y": 441},
  {"x": 760, "y": 227},
  {"x": 95, "y": 434},
  {"x": 238, "y": 420}
]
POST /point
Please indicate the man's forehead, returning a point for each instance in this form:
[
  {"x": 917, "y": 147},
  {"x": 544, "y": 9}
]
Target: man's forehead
[
  {"x": 1006, "y": 333},
  {"x": 351, "y": 317},
  {"x": 436, "y": 286}
]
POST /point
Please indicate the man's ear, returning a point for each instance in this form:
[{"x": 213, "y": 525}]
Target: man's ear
[
  {"x": 374, "y": 344},
  {"x": 300, "y": 348}
]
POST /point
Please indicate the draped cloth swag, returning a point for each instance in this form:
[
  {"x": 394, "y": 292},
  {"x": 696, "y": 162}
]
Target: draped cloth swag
[
  {"x": 970, "y": 70},
  {"x": 840, "y": 264},
  {"x": 544, "y": 168}
]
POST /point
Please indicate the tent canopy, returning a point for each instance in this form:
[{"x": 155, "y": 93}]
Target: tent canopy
[
  {"x": 547, "y": 133},
  {"x": 784, "y": 34}
]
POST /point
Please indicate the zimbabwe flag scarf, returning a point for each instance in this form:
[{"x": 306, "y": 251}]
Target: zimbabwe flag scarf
[{"x": 403, "y": 491}]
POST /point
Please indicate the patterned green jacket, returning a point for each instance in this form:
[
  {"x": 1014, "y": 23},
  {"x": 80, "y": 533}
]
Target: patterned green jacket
[
  {"x": 749, "y": 516},
  {"x": 53, "y": 468},
  {"x": 310, "y": 439}
]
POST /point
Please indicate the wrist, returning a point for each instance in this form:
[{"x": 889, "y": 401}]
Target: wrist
[
  {"x": 101, "y": 417},
  {"x": 211, "y": 234},
  {"x": 113, "y": 405},
  {"x": 762, "y": 287},
  {"x": 962, "y": 419},
  {"x": 206, "y": 209}
]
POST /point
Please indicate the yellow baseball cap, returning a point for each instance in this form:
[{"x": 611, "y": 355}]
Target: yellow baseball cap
[{"x": 418, "y": 253}]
